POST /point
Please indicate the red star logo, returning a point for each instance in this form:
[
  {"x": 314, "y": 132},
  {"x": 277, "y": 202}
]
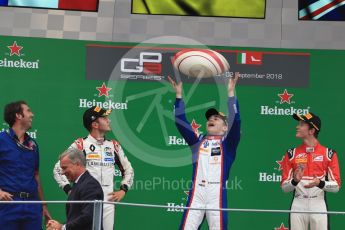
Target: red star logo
[
  {"x": 195, "y": 126},
  {"x": 280, "y": 163},
  {"x": 285, "y": 97},
  {"x": 282, "y": 227},
  {"x": 103, "y": 90},
  {"x": 15, "y": 49}
]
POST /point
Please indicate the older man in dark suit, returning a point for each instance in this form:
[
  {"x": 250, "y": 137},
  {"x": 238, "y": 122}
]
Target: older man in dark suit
[{"x": 79, "y": 215}]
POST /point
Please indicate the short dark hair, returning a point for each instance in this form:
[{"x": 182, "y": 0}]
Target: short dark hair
[
  {"x": 316, "y": 133},
  {"x": 11, "y": 110}
]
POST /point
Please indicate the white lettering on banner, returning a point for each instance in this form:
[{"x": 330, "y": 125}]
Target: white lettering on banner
[
  {"x": 269, "y": 177},
  {"x": 174, "y": 140},
  {"x": 142, "y": 59},
  {"x": 84, "y": 103},
  {"x": 117, "y": 173},
  {"x": 33, "y": 134},
  {"x": 142, "y": 77},
  {"x": 266, "y": 110},
  {"x": 174, "y": 208},
  {"x": 19, "y": 64},
  {"x": 150, "y": 54},
  {"x": 138, "y": 69}
]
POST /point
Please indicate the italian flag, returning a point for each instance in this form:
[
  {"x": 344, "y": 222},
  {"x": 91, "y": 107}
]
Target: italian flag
[{"x": 249, "y": 58}]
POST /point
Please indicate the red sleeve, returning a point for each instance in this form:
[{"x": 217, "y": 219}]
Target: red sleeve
[
  {"x": 287, "y": 167},
  {"x": 333, "y": 167},
  {"x": 79, "y": 143}
]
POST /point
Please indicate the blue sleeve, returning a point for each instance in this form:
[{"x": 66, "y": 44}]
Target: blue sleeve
[
  {"x": 234, "y": 123},
  {"x": 182, "y": 123},
  {"x": 1, "y": 141},
  {"x": 3, "y": 2},
  {"x": 37, "y": 165}
]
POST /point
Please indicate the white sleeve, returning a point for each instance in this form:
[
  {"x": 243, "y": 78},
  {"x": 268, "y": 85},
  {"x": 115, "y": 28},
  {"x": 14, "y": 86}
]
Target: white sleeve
[
  {"x": 331, "y": 186},
  {"x": 61, "y": 179},
  {"x": 124, "y": 166},
  {"x": 334, "y": 181},
  {"x": 287, "y": 186}
]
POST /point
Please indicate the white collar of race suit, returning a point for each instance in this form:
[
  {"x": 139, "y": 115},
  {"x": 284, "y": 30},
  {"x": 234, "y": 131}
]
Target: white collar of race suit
[{"x": 96, "y": 141}]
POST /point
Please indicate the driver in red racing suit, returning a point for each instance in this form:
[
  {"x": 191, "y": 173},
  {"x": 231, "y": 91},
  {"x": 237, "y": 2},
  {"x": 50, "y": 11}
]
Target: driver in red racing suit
[{"x": 309, "y": 171}]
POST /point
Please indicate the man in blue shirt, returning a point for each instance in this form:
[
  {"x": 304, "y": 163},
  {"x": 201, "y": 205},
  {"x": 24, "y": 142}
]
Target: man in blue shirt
[{"x": 19, "y": 171}]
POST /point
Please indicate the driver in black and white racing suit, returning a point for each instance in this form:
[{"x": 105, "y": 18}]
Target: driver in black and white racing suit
[{"x": 101, "y": 156}]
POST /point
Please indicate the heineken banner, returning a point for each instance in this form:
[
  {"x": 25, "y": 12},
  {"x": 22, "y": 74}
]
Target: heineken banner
[{"x": 60, "y": 79}]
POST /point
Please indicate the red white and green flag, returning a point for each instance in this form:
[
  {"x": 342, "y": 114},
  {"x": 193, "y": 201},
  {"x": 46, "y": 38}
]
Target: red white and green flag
[{"x": 249, "y": 58}]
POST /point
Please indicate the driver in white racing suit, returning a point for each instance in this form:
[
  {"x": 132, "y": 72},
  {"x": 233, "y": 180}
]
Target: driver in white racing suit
[{"x": 101, "y": 156}]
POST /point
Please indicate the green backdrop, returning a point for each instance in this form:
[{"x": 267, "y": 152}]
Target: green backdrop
[{"x": 143, "y": 123}]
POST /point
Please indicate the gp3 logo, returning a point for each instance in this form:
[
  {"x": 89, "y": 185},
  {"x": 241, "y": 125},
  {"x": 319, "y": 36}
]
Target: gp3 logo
[{"x": 148, "y": 63}]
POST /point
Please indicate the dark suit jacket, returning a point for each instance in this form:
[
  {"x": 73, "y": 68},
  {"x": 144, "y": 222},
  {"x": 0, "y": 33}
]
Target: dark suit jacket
[{"x": 79, "y": 216}]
